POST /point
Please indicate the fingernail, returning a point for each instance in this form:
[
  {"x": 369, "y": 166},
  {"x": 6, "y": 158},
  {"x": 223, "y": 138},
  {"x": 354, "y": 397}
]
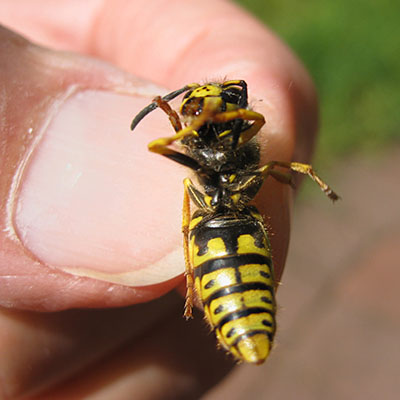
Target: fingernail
[{"x": 87, "y": 202}]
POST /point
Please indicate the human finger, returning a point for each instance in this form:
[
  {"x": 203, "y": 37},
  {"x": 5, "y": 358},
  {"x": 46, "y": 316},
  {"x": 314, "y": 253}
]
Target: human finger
[{"x": 75, "y": 201}]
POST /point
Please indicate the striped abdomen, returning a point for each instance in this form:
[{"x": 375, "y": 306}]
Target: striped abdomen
[{"x": 233, "y": 276}]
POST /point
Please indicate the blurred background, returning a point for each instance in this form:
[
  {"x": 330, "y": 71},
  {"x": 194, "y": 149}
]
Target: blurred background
[{"x": 339, "y": 304}]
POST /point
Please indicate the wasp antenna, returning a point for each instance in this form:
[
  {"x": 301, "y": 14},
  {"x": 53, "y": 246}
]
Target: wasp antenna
[
  {"x": 142, "y": 114},
  {"x": 168, "y": 97},
  {"x": 175, "y": 93}
]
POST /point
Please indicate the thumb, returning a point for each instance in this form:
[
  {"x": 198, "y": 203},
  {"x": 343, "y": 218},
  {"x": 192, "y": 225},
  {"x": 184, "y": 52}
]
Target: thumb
[{"x": 79, "y": 191}]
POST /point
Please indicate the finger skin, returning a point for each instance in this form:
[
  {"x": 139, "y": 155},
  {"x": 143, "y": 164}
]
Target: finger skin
[
  {"x": 61, "y": 344},
  {"x": 35, "y": 80},
  {"x": 278, "y": 85},
  {"x": 175, "y": 360},
  {"x": 207, "y": 40}
]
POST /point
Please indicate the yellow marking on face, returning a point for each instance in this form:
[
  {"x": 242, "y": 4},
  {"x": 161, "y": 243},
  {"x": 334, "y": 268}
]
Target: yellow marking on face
[
  {"x": 205, "y": 91},
  {"x": 232, "y": 177}
]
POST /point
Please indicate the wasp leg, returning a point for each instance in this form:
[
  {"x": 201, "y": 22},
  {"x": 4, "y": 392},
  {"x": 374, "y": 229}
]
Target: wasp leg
[
  {"x": 287, "y": 178},
  {"x": 283, "y": 177},
  {"x": 160, "y": 146},
  {"x": 201, "y": 201},
  {"x": 188, "y": 269},
  {"x": 305, "y": 169},
  {"x": 172, "y": 114},
  {"x": 242, "y": 114}
]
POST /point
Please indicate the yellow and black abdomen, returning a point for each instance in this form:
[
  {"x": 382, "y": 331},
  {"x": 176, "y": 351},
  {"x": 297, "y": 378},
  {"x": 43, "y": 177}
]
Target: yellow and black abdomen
[{"x": 233, "y": 274}]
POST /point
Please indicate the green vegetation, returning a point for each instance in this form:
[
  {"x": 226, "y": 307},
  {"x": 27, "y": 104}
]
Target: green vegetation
[{"x": 352, "y": 50}]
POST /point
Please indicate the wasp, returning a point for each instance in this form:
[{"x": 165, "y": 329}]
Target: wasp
[{"x": 226, "y": 247}]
